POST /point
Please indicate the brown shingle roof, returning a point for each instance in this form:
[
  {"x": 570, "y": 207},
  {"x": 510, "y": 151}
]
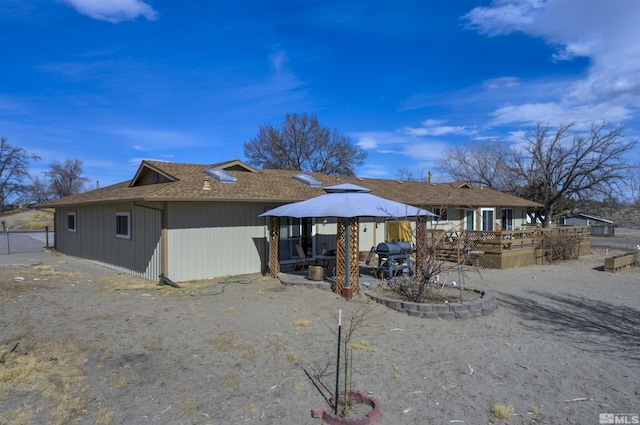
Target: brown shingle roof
[{"x": 185, "y": 182}]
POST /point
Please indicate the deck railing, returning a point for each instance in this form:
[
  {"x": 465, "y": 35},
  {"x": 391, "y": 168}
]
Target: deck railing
[{"x": 505, "y": 240}]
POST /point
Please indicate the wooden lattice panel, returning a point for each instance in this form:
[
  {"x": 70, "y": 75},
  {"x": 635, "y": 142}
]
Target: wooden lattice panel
[
  {"x": 341, "y": 255},
  {"x": 274, "y": 264},
  {"x": 354, "y": 245},
  {"x": 490, "y": 262}
]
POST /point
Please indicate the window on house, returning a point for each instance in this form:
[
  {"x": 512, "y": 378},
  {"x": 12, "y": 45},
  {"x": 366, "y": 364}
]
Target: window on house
[
  {"x": 507, "y": 219},
  {"x": 123, "y": 225},
  {"x": 71, "y": 221},
  {"x": 469, "y": 220},
  {"x": 487, "y": 220},
  {"x": 441, "y": 213}
]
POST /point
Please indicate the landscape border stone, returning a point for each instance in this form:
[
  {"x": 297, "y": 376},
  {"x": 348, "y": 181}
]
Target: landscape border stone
[{"x": 452, "y": 310}]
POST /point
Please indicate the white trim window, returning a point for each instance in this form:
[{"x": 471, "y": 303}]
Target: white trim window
[
  {"x": 488, "y": 219},
  {"x": 123, "y": 225},
  {"x": 470, "y": 220},
  {"x": 507, "y": 218},
  {"x": 71, "y": 221}
]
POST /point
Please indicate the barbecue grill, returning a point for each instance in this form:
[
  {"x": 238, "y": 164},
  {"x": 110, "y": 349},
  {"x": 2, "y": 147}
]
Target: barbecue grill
[{"x": 393, "y": 258}]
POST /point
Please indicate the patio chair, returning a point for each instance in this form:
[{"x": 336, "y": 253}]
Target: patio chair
[
  {"x": 369, "y": 258},
  {"x": 303, "y": 261}
]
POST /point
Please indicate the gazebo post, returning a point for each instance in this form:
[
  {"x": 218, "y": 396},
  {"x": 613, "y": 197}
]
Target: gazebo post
[
  {"x": 274, "y": 244},
  {"x": 341, "y": 255},
  {"x": 347, "y": 263},
  {"x": 354, "y": 256}
]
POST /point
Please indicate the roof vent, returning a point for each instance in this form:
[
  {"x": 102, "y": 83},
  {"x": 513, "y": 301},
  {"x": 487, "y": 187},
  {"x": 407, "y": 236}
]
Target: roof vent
[
  {"x": 207, "y": 184},
  {"x": 221, "y": 175},
  {"x": 308, "y": 180}
]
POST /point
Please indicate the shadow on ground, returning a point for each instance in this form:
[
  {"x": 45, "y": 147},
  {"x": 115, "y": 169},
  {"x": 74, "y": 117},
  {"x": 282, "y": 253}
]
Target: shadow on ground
[{"x": 593, "y": 325}]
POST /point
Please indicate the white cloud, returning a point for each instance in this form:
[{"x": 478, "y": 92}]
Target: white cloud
[
  {"x": 414, "y": 146},
  {"x": 378, "y": 140},
  {"x": 504, "y": 16},
  {"x": 604, "y": 32},
  {"x": 434, "y": 128},
  {"x": 425, "y": 150},
  {"x": 159, "y": 139},
  {"x": 501, "y": 82},
  {"x": 555, "y": 114},
  {"x": 279, "y": 62},
  {"x": 113, "y": 11}
]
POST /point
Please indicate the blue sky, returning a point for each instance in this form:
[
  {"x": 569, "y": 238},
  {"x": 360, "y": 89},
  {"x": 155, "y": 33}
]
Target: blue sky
[{"x": 112, "y": 82}]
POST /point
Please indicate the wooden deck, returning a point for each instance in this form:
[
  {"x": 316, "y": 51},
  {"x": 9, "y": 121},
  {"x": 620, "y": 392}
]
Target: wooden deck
[{"x": 512, "y": 248}]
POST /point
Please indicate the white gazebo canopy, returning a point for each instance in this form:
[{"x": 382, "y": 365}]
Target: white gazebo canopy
[{"x": 347, "y": 202}]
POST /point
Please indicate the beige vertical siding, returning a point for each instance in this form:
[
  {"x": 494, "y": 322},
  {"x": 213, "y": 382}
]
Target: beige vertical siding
[
  {"x": 367, "y": 239},
  {"x": 207, "y": 240},
  {"x": 203, "y": 239},
  {"x": 95, "y": 237}
]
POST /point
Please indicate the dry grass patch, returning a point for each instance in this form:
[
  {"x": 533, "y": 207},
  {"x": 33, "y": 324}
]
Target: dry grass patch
[
  {"x": 32, "y": 220},
  {"x": 21, "y": 415},
  {"x": 189, "y": 405},
  {"x": 104, "y": 416},
  {"x": 252, "y": 354},
  {"x": 501, "y": 411},
  {"x": 35, "y": 275},
  {"x": 364, "y": 346},
  {"x": 49, "y": 373},
  {"x": 290, "y": 355},
  {"x": 124, "y": 281},
  {"x": 302, "y": 323},
  {"x": 233, "y": 381},
  {"x": 227, "y": 341}
]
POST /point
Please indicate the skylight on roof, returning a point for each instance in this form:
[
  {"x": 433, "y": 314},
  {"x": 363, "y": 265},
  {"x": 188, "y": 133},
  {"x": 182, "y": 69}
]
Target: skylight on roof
[
  {"x": 220, "y": 175},
  {"x": 308, "y": 180}
]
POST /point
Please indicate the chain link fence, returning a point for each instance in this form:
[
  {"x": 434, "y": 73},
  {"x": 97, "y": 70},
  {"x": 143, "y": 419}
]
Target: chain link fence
[{"x": 24, "y": 242}]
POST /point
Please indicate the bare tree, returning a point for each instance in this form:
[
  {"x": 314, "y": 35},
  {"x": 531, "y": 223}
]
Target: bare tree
[
  {"x": 550, "y": 170},
  {"x": 633, "y": 184},
  {"x": 66, "y": 178},
  {"x": 14, "y": 169},
  {"x": 559, "y": 169},
  {"x": 35, "y": 192},
  {"x": 482, "y": 164},
  {"x": 410, "y": 176},
  {"x": 419, "y": 287},
  {"x": 301, "y": 143}
]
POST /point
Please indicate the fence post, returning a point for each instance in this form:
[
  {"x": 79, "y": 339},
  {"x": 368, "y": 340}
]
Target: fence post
[
  {"x": 46, "y": 237},
  {"x": 4, "y": 227}
]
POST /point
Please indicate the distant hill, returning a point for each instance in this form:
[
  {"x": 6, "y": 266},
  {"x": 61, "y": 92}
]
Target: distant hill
[
  {"x": 27, "y": 220},
  {"x": 628, "y": 217}
]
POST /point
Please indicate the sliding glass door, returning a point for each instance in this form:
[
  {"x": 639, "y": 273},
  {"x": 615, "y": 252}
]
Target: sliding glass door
[{"x": 294, "y": 231}]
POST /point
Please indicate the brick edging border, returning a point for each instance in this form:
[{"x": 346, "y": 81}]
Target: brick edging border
[{"x": 453, "y": 310}]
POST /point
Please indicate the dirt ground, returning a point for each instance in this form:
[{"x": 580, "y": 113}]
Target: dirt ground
[{"x": 82, "y": 344}]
